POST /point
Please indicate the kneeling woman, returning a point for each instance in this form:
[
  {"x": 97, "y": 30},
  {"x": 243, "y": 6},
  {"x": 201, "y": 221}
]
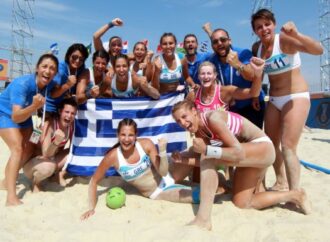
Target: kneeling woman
[
  {"x": 138, "y": 163},
  {"x": 244, "y": 146},
  {"x": 52, "y": 153}
]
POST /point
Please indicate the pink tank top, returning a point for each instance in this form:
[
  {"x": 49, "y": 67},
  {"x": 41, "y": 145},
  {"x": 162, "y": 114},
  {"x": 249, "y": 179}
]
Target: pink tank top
[
  {"x": 69, "y": 136},
  {"x": 215, "y": 104},
  {"x": 234, "y": 123}
]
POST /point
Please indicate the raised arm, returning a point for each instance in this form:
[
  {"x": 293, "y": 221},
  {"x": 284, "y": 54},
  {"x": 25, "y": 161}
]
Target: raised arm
[
  {"x": 81, "y": 94},
  {"x": 291, "y": 41},
  {"x": 157, "y": 69},
  {"x": 101, "y": 31},
  {"x": 208, "y": 29},
  {"x": 20, "y": 114}
]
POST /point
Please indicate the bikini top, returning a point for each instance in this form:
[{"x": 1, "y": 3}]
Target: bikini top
[
  {"x": 131, "y": 172},
  {"x": 170, "y": 76},
  {"x": 129, "y": 92},
  {"x": 234, "y": 123},
  {"x": 279, "y": 62}
]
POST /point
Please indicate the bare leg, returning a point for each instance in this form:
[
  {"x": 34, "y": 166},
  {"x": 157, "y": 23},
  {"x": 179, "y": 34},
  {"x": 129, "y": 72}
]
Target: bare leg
[
  {"x": 179, "y": 171},
  {"x": 15, "y": 140},
  {"x": 38, "y": 169},
  {"x": 60, "y": 159},
  {"x": 273, "y": 130},
  {"x": 244, "y": 196},
  {"x": 294, "y": 115},
  {"x": 209, "y": 184}
]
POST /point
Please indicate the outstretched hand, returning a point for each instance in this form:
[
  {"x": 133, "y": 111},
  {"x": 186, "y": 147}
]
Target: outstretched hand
[{"x": 87, "y": 214}]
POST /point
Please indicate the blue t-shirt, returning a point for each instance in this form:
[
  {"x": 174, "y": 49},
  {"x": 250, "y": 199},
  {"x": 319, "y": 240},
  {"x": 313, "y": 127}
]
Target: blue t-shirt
[
  {"x": 193, "y": 66},
  {"x": 20, "y": 92},
  {"x": 230, "y": 76},
  {"x": 60, "y": 79}
]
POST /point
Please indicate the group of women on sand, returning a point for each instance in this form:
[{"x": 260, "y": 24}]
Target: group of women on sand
[{"x": 220, "y": 137}]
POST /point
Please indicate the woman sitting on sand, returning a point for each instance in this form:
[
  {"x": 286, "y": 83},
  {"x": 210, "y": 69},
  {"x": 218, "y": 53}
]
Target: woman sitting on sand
[
  {"x": 251, "y": 159},
  {"x": 51, "y": 154},
  {"x": 138, "y": 163}
]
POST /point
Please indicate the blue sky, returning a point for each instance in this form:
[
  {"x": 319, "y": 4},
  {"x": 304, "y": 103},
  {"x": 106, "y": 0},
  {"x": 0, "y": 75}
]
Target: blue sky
[{"x": 69, "y": 21}]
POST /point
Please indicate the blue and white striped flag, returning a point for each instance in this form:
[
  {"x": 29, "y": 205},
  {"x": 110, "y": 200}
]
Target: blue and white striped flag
[
  {"x": 96, "y": 128},
  {"x": 54, "y": 49}
]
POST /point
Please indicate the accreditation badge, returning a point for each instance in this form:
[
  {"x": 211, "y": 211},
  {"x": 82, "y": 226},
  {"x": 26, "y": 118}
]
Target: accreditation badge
[{"x": 35, "y": 136}]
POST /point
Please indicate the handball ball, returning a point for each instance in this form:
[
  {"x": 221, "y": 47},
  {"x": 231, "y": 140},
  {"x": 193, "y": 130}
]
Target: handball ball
[{"x": 116, "y": 198}]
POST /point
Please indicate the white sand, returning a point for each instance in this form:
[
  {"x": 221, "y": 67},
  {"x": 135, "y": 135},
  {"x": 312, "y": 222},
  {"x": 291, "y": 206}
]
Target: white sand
[{"x": 54, "y": 215}]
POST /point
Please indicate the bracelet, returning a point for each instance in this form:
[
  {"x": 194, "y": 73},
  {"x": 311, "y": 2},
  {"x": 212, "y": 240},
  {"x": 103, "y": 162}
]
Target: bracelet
[
  {"x": 241, "y": 68},
  {"x": 110, "y": 25},
  {"x": 213, "y": 152}
]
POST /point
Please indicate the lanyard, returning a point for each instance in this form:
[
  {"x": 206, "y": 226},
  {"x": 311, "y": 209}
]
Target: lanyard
[
  {"x": 44, "y": 107},
  {"x": 70, "y": 74},
  {"x": 222, "y": 76}
]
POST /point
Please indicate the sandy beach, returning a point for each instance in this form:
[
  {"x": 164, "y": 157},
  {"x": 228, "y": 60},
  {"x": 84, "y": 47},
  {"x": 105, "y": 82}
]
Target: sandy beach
[{"x": 54, "y": 215}]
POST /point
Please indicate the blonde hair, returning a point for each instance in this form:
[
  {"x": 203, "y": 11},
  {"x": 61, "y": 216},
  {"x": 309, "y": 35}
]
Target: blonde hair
[
  {"x": 207, "y": 63},
  {"x": 186, "y": 104}
]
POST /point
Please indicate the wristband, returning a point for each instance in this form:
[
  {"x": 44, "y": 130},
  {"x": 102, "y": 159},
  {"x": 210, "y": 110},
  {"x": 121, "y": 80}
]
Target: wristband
[
  {"x": 213, "y": 152},
  {"x": 162, "y": 153},
  {"x": 88, "y": 94},
  {"x": 110, "y": 25}
]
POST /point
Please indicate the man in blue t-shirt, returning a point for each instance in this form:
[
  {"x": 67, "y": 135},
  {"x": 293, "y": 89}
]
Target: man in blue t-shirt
[
  {"x": 233, "y": 67},
  {"x": 193, "y": 58}
]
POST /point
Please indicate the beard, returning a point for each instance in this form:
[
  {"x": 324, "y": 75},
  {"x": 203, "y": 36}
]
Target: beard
[
  {"x": 227, "y": 50},
  {"x": 191, "y": 52}
]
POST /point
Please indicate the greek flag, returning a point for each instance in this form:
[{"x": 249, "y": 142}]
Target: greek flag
[
  {"x": 54, "y": 48},
  {"x": 204, "y": 46},
  {"x": 96, "y": 128}
]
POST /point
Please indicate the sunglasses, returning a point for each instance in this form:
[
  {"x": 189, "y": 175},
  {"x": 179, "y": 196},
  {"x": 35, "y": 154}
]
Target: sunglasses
[
  {"x": 222, "y": 39},
  {"x": 77, "y": 57}
]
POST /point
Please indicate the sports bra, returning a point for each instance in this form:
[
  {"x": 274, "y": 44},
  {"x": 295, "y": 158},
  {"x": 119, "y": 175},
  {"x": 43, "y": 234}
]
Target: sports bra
[
  {"x": 92, "y": 79},
  {"x": 139, "y": 72},
  {"x": 130, "y": 172},
  {"x": 279, "y": 62},
  {"x": 129, "y": 92},
  {"x": 234, "y": 123},
  {"x": 215, "y": 104},
  {"x": 170, "y": 76},
  {"x": 69, "y": 133}
]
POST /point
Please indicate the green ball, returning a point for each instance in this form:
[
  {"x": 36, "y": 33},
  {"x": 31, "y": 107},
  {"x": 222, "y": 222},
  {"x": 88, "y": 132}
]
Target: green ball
[{"x": 116, "y": 198}]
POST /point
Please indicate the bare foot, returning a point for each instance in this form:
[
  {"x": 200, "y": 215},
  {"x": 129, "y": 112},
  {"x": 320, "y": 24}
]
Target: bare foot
[
  {"x": 13, "y": 201},
  {"x": 36, "y": 188},
  {"x": 279, "y": 187},
  {"x": 3, "y": 185},
  {"x": 61, "y": 179},
  {"x": 304, "y": 203},
  {"x": 201, "y": 223}
]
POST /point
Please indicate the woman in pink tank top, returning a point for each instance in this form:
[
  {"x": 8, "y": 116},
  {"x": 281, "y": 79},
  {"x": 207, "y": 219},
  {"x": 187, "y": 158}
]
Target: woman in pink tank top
[
  {"x": 212, "y": 96},
  {"x": 251, "y": 159},
  {"x": 51, "y": 153}
]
